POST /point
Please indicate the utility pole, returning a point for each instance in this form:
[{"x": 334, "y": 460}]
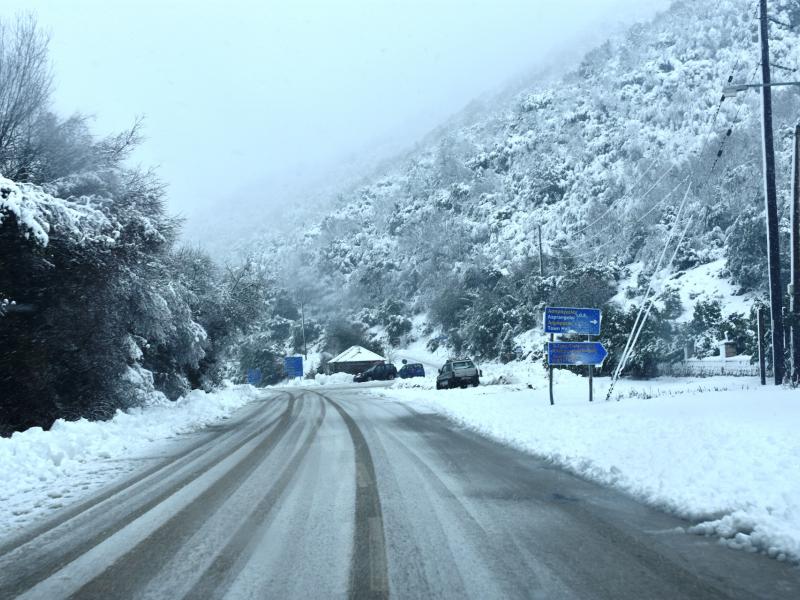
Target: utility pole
[
  {"x": 762, "y": 366},
  {"x": 541, "y": 255},
  {"x": 303, "y": 321},
  {"x": 794, "y": 286},
  {"x": 591, "y": 375},
  {"x": 771, "y": 200}
]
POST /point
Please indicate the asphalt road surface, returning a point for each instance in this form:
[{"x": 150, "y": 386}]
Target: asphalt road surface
[{"x": 346, "y": 494}]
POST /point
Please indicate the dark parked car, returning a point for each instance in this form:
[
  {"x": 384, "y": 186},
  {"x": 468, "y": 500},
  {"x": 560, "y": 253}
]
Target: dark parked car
[
  {"x": 382, "y": 372},
  {"x": 412, "y": 370},
  {"x": 458, "y": 373}
]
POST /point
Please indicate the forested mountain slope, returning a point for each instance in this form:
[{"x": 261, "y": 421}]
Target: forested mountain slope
[{"x": 601, "y": 160}]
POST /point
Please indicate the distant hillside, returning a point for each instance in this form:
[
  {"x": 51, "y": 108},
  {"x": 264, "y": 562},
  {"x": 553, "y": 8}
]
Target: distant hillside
[{"x": 600, "y": 160}]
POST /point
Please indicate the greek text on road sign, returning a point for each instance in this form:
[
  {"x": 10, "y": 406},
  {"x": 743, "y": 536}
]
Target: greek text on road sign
[
  {"x": 575, "y": 353},
  {"x": 583, "y": 321}
]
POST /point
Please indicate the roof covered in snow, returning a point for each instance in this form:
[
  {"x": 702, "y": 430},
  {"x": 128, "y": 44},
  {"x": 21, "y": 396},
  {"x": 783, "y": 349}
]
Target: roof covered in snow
[{"x": 356, "y": 354}]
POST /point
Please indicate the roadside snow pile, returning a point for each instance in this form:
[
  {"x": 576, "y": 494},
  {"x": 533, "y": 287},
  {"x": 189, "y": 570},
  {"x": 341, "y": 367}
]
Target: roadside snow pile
[
  {"x": 721, "y": 451},
  {"x": 38, "y": 469},
  {"x": 421, "y": 383},
  {"x": 319, "y": 379},
  {"x": 336, "y": 378}
]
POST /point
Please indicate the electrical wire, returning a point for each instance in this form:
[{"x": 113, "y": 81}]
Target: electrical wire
[
  {"x": 626, "y": 356},
  {"x": 636, "y": 325},
  {"x": 641, "y": 317},
  {"x": 626, "y": 195},
  {"x": 635, "y": 222}
]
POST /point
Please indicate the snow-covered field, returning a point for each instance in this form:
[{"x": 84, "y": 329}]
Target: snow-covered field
[
  {"x": 44, "y": 470},
  {"x": 721, "y": 452}
]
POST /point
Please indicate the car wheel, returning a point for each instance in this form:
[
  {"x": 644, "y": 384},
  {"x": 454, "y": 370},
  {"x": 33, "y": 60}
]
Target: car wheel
[
  {"x": 438, "y": 385},
  {"x": 476, "y": 382},
  {"x": 391, "y": 377}
]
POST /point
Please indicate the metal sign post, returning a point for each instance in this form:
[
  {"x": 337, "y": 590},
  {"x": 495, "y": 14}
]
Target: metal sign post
[
  {"x": 591, "y": 375},
  {"x": 550, "y": 375},
  {"x": 581, "y": 321},
  {"x": 762, "y": 370}
]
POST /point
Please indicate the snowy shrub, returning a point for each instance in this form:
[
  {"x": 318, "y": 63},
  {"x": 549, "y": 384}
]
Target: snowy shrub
[
  {"x": 705, "y": 327},
  {"x": 658, "y": 342}
]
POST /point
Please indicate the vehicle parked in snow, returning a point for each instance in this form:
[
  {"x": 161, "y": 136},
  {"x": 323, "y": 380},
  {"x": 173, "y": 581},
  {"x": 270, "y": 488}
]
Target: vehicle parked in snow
[
  {"x": 458, "y": 373},
  {"x": 411, "y": 370},
  {"x": 382, "y": 372}
]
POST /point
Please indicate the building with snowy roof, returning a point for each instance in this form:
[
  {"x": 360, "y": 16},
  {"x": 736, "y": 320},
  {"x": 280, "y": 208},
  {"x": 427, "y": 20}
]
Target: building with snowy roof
[{"x": 353, "y": 360}]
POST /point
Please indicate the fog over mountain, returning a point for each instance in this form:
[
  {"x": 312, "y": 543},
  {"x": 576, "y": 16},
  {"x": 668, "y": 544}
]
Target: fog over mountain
[
  {"x": 286, "y": 100},
  {"x": 611, "y": 162}
]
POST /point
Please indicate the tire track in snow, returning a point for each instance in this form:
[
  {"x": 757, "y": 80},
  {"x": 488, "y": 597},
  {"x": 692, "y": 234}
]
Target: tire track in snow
[
  {"x": 35, "y": 561},
  {"x": 369, "y": 577},
  {"x": 229, "y": 561},
  {"x": 62, "y": 516},
  {"x": 131, "y": 571}
]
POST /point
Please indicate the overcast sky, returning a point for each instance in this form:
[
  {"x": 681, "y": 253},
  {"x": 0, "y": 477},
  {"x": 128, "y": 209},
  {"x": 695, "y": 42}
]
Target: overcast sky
[{"x": 256, "y": 97}]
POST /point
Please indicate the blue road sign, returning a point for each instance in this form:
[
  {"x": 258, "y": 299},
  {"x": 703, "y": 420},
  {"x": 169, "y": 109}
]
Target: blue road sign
[
  {"x": 575, "y": 353},
  {"x": 583, "y": 321},
  {"x": 254, "y": 376},
  {"x": 293, "y": 365}
]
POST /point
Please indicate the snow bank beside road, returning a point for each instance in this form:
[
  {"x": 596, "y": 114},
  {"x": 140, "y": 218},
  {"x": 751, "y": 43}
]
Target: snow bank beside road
[
  {"x": 727, "y": 459},
  {"x": 41, "y": 470}
]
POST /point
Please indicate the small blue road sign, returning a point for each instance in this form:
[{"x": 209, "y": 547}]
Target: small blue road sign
[
  {"x": 575, "y": 353},
  {"x": 293, "y": 365},
  {"x": 254, "y": 376},
  {"x": 583, "y": 321}
]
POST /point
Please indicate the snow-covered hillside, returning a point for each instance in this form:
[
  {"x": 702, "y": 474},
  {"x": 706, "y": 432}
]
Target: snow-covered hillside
[{"x": 601, "y": 161}]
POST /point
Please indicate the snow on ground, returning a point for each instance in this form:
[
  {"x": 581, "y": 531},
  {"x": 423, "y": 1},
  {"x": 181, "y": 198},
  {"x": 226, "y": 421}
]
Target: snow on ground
[
  {"x": 722, "y": 451},
  {"x": 706, "y": 283},
  {"x": 45, "y": 470}
]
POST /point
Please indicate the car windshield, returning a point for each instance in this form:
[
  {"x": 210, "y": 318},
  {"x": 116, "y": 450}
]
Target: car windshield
[{"x": 463, "y": 364}]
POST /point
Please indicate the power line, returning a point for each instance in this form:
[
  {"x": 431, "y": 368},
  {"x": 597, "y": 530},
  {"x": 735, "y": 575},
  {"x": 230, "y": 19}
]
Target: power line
[
  {"x": 711, "y": 131},
  {"x": 641, "y": 317},
  {"x": 626, "y": 195},
  {"x": 636, "y": 221}
]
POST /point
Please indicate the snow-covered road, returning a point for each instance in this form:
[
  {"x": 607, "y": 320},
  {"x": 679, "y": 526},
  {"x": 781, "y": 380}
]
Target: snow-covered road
[{"x": 340, "y": 492}]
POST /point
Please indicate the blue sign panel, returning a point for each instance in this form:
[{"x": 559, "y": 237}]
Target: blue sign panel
[
  {"x": 293, "y": 365},
  {"x": 584, "y": 321},
  {"x": 575, "y": 353},
  {"x": 254, "y": 376}
]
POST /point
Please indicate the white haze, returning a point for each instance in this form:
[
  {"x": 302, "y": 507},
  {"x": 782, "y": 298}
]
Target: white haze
[{"x": 254, "y": 105}]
